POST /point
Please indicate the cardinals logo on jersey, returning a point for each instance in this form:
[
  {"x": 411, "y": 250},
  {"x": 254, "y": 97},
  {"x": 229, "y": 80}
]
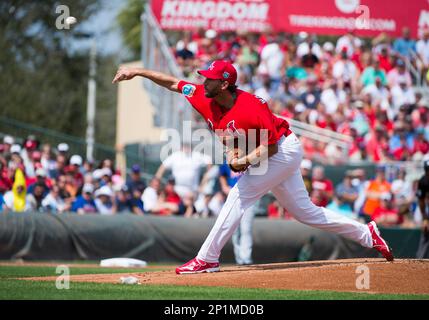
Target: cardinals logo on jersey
[
  {"x": 210, "y": 124},
  {"x": 232, "y": 130}
]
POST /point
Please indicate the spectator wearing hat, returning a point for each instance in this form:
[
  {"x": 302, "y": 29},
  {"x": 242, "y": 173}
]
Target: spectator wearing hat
[
  {"x": 399, "y": 72},
  {"x": 135, "y": 181},
  {"x": 328, "y": 52},
  {"x": 102, "y": 177},
  {"x": 30, "y": 145},
  {"x": 8, "y": 141},
  {"x": 84, "y": 203},
  {"x": 76, "y": 162},
  {"x": 348, "y": 43},
  {"x": 40, "y": 179},
  {"x": 63, "y": 148},
  {"x": 385, "y": 58},
  {"x": 323, "y": 186},
  {"x": 105, "y": 201},
  {"x": 306, "y": 166},
  {"x": 123, "y": 201},
  {"x": 137, "y": 202},
  {"x": 309, "y": 51},
  {"x": 385, "y": 214}
]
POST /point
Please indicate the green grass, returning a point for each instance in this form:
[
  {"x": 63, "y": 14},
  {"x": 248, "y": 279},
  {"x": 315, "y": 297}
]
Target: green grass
[
  {"x": 7, "y": 272},
  {"x": 21, "y": 289},
  {"x": 10, "y": 288}
]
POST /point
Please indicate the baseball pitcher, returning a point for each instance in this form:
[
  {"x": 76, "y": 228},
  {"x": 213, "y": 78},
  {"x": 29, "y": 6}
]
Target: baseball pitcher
[{"x": 229, "y": 109}]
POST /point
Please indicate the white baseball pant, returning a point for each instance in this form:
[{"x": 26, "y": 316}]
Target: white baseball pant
[
  {"x": 242, "y": 238},
  {"x": 284, "y": 179}
]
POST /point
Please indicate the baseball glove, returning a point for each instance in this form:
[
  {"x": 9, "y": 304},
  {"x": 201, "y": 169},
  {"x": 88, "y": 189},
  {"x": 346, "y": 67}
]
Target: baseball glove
[{"x": 232, "y": 155}]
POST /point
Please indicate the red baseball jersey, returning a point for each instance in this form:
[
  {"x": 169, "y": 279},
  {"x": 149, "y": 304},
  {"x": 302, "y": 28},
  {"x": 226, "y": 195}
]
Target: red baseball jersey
[{"x": 249, "y": 112}]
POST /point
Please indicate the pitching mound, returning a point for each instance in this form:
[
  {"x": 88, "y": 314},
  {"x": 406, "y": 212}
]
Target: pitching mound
[{"x": 398, "y": 277}]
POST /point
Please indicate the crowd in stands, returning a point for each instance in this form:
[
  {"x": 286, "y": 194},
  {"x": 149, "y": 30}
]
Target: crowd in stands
[
  {"x": 357, "y": 87},
  {"x": 40, "y": 178}
]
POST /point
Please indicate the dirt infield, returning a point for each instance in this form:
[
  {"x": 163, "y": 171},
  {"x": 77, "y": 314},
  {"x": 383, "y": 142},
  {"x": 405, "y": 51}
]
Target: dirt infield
[
  {"x": 400, "y": 277},
  {"x": 71, "y": 264}
]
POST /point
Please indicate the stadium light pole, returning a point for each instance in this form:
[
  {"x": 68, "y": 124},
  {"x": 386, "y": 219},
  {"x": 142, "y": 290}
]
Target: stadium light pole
[
  {"x": 91, "y": 103},
  {"x": 92, "y": 95}
]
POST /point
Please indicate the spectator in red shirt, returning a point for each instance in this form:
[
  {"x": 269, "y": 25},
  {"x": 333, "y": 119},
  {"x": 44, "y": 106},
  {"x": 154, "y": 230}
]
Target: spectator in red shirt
[
  {"x": 377, "y": 144},
  {"x": 384, "y": 59},
  {"x": 386, "y": 215},
  {"x": 170, "y": 200},
  {"x": 421, "y": 145},
  {"x": 403, "y": 152},
  {"x": 5, "y": 181},
  {"x": 322, "y": 184},
  {"x": 76, "y": 162},
  {"x": 275, "y": 211}
]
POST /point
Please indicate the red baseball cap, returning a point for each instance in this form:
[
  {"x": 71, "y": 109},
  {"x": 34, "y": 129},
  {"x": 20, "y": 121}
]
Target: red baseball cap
[{"x": 220, "y": 70}]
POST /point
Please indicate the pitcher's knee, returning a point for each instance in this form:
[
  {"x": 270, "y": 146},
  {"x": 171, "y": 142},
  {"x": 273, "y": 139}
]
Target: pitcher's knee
[{"x": 308, "y": 213}]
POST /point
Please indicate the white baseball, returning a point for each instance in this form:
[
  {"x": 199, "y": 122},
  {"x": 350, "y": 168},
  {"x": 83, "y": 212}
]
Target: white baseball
[{"x": 71, "y": 20}]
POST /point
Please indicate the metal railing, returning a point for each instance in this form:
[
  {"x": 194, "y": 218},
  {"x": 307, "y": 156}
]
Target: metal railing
[
  {"x": 319, "y": 134},
  {"x": 20, "y": 130},
  {"x": 413, "y": 70},
  {"x": 170, "y": 108}
]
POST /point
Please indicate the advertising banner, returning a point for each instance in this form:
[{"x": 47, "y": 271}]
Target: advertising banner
[{"x": 329, "y": 17}]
